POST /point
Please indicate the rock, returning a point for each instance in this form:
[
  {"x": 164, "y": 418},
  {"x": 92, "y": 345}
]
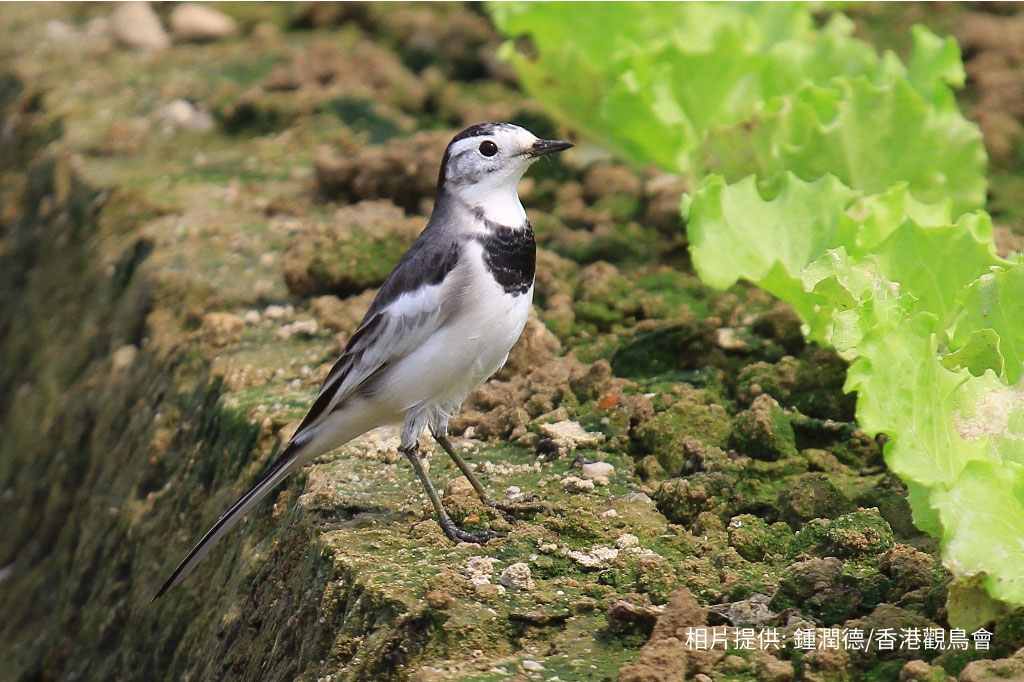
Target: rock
[
  {"x": 536, "y": 345},
  {"x": 355, "y": 251},
  {"x": 623, "y": 615},
  {"x": 574, "y": 484},
  {"x": 681, "y": 500},
  {"x": 598, "y": 470},
  {"x": 690, "y": 430},
  {"x": 532, "y": 666},
  {"x": 826, "y": 665},
  {"x": 663, "y": 192},
  {"x": 804, "y": 579},
  {"x": 920, "y": 671},
  {"x": 518, "y": 576},
  {"x": 251, "y": 317},
  {"x": 755, "y": 540},
  {"x": 99, "y": 35},
  {"x": 180, "y": 115},
  {"x": 124, "y": 357},
  {"x": 815, "y": 587},
  {"x": 136, "y": 25},
  {"x": 603, "y": 179},
  {"x": 665, "y": 657},
  {"x": 221, "y": 329},
  {"x": 278, "y": 312},
  {"x": 193, "y": 22},
  {"x": 479, "y": 569},
  {"x": 403, "y": 170},
  {"x": 597, "y": 557},
  {"x": 812, "y": 496},
  {"x": 763, "y": 431},
  {"x": 59, "y": 32},
  {"x": 627, "y": 540},
  {"x": 297, "y": 328},
  {"x": 571, "y": 435},
  {"x": 458, "y": 487},
  {"x": 862, "y": 532}
]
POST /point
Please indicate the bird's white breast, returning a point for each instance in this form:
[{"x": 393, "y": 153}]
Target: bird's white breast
[{"x": 469, "y": 347}]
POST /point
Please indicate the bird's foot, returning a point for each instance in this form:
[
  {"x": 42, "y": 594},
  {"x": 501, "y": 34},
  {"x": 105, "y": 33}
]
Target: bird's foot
[{"x": 456, "y": 534}]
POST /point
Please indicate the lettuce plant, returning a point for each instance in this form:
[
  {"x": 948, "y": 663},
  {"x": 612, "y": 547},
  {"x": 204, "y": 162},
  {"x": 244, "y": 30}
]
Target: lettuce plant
[{"x": 849, "y": 185}]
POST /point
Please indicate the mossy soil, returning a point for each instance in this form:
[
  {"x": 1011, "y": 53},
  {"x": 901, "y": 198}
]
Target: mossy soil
[{"x": 165, "y": 324}]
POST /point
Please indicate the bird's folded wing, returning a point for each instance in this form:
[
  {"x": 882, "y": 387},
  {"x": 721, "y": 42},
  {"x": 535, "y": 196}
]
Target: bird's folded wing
[{"x": 412, "y": 305}]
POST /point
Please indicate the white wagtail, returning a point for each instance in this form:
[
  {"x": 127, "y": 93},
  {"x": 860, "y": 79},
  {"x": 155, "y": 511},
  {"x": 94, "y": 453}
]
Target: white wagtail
[{"x": 444, "y": 320}]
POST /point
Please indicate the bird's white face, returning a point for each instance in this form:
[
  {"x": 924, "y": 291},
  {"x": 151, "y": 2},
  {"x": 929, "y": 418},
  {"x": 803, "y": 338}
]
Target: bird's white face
[
  {"x": 483, "y": 164},
  {"x": 495, "y": 157}
]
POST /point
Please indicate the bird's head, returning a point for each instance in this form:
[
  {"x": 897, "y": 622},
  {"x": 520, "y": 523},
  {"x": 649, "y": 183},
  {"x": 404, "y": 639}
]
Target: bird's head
[{"x": 490, "y": 158}]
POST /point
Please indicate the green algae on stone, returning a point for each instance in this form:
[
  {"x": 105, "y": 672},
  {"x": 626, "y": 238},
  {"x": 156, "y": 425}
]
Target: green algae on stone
[
  {"x": 681, "y": 500},
  {"x": 763, "y": 431},
  {"x": 811, "y": 382},
  {"x": 815, "y": 587},
  {"x": 356, "y": 252},
  {"x": 756, "y": 540},
  {"x": 665, "y": 434},
  {"x": 859, "y": 533},
  {"x": 673, "y": 346},
  {"x": 812, "y": 496}
]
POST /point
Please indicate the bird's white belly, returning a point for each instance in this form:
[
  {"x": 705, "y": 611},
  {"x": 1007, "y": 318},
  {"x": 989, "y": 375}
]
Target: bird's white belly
[{"x": 472, "y": 346}]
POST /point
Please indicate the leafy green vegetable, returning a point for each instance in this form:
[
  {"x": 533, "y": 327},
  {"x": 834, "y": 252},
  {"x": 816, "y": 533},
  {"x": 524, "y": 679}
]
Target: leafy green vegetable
[
  {"x": 982, "y": 517},
  {"x": 752, "y": 88},
  {"x": 871, "y": 137},
  {"x": 995, "y": 303},
  {"x": 839, "y": 180}
]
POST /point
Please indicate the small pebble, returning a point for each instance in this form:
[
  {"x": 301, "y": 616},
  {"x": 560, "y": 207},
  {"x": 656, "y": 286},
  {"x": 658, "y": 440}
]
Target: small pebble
[
  {"x": 518, "y": 576},
  {"x": 276, "y": 312},
  {"x": 595, "y": 470},
  {"x": 575, "y": 484},
  {"x": 298, "y": 328},
  {"x": 627, "y": 540}
]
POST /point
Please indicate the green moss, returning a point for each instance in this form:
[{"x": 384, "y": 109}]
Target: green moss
[
  {"x": 675, "y": 346},
  {"x": 663, "y": 435},
  {"x": 812, "y": 496},
  {"x": 755, "y": 540},
  {"x": 681, "y": 500},
  {"x": 763, "y": 431},
  {"x": 360, "y": 114},
  {"x": 863, "y": 532}
]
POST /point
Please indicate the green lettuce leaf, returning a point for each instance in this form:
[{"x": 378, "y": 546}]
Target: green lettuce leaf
[
  {"x": 995, "y": 302},
  {"x": 982, "y": 517},
  {"x": 871, "y": 137}
]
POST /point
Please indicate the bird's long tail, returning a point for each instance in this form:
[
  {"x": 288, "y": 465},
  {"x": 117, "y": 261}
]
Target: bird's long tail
[{"x": 278, "y": 471}]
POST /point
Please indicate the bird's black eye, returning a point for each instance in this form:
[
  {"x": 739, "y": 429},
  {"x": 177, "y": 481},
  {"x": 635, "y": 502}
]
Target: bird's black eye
[{"x": 488, "y": 148}]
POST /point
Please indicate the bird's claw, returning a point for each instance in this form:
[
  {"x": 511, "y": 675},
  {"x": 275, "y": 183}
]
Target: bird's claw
[{"x": 456, "y": 534}]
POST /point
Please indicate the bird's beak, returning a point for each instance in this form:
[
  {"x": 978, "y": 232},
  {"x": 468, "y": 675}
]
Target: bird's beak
[{"x": 541, "y": 147}]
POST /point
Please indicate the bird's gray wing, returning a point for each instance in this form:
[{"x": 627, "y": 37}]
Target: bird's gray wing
[{"x": 414, "y": 301}]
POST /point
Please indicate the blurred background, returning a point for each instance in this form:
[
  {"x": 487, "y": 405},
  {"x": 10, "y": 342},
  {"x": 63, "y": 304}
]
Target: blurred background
[{"x": 197, "y": 204}]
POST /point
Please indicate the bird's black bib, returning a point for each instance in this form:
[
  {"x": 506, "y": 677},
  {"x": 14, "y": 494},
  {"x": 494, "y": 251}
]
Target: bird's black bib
[{"x": 511, "y": 257}]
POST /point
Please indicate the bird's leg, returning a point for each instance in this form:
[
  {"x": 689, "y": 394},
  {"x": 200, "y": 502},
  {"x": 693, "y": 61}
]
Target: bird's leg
[
  {"x": 454, "y": 533},
  {"x": 485, "y": 497}
]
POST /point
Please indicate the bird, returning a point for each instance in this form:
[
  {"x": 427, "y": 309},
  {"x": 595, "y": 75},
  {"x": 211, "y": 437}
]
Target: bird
[{"x": 443, "y": 321}]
